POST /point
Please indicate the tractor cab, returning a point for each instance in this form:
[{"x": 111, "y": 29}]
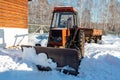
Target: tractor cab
[
  {"x": 64, "y": 17},
  {"x": 63, "y": 20}
]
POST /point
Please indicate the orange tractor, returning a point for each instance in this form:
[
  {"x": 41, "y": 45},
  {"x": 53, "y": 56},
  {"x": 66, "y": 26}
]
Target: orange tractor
[
  {"x": 66, "y": 40},
  {"x": 64, "y": 31}
]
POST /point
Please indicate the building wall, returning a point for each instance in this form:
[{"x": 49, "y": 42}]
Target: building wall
[
  {"x": 13, "y": 13},
  {"x": 14, "y": 21}
]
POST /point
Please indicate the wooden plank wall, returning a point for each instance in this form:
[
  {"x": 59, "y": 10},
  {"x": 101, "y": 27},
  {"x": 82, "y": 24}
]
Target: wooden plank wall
[{"x": 13, "y": 13}]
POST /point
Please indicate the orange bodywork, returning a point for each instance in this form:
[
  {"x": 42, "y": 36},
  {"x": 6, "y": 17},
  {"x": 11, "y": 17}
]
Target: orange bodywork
[
  {"x": 64, "y": 34},
  {"x": 97, "y": 32},
  {"x": 64, "y": 9}
]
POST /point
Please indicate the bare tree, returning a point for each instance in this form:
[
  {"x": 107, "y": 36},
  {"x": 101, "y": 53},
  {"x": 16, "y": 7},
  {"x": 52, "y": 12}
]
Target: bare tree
[
  {"x": 102, "y": 14},
  {"x": 86, "y": 18},
  {"x": 113, "y": 15},
  {"x": 80, "y": 11}
]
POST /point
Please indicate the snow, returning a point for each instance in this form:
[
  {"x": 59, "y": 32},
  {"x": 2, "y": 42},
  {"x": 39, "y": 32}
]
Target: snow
[
  {"x": 14, "y": 36},
  {"x": 30, "y": 55},
  {"x": 7, "y": 63},
  {"x": 101, "y": 62},
  {"x": 38, "y": 39}
]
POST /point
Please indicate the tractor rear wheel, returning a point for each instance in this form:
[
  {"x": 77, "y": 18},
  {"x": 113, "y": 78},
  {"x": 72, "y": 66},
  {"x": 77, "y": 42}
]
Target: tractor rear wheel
[
  {"x": 77, "y": 44},
  {"x": 80, "y": 43}
]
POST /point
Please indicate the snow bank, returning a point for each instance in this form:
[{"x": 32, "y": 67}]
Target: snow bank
[
  {"x": 110, "y": 39},
  {"x": 14, "y": 36},
  {"x": 44, "y": 42},
  {"x": 101, "y": 62},
  {"x": 38, "y": 39},
  {"x": 40, "y": 59},
  {"x": 7, "y": 63}
]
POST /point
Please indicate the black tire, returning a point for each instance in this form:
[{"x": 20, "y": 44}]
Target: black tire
[
  {"x": 78, "y": 44},
  {"x": 81, "y": 41}
]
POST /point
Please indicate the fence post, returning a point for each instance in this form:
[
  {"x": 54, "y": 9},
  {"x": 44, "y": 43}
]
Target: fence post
[{"x": 2, "y": 40}]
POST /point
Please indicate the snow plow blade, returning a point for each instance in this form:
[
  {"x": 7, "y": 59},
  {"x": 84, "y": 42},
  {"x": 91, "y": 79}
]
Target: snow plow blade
[{"x": 62, "y": 56}]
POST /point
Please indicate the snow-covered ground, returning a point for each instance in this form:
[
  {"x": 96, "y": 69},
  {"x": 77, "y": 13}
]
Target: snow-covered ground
[{"x": 101, "y": 62}]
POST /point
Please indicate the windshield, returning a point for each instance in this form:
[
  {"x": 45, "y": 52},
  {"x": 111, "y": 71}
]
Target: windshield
[{"x": 63, "y": 19}]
